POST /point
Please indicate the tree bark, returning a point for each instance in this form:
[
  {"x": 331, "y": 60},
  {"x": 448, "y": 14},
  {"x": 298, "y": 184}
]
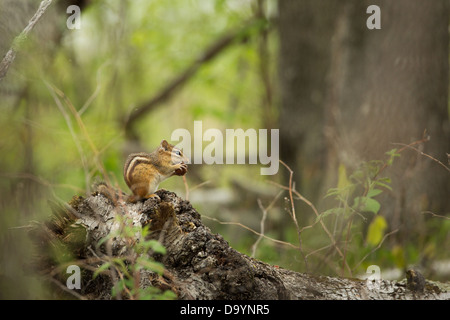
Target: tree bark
[
  {"x": 199, "y": 264},
  {"x": 349, "y": 93},
  {"x": 390, "y": 86},
  {"x": 305, "y": 29}
]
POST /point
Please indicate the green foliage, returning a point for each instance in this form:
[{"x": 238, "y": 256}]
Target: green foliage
[
  {"x": 361, "y": 187},
  {"x": 68, "y": 93},
  {"x": 356, "y": 195},
  {"x": 138, "y": 258}
]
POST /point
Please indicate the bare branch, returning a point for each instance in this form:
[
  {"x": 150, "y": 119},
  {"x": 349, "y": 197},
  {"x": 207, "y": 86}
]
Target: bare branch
[
  {"x": 376, "y": 248},
  {"x": 263, "y": 220},
  {"x": 436, "y": 215},
  {"x": 293, "y": 215},
  {"x": 333, "y": 240},
  {"x": 423, "y": 154},
  {"x": 208, "y": 54},
  {"x": 251, "y": 230},
  {"x": 11, "y": 54}
]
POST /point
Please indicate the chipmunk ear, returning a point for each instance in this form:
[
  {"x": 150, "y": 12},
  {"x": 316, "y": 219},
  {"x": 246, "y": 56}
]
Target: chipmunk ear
[{"x": 165, "y": 145}]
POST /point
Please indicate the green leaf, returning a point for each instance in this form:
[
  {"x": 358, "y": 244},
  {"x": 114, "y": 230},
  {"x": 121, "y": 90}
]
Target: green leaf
[
  {"x": 103, "y": 240},
  {"x": 150, "y": 265},
  {"x": 392, "y": 152},
  {"x": 119, "y": 262},
  {"x": 120, "y": 285},
  {"x": 372, "y": 205},
  {"x": 167, "y": 295},
  {"x": 373, "y": 192},
  {"x": 100, "y": 269},
  {"x": 392, "y": 155},
  {"x": 332, "y": 192},
  {"x": 157, "y": 247},
  {"x": 366, "y": 204},
  {"x": 145, "y": 231},
  {"x": 342, "y": 178},
  {"x": 384, "y": 185},
  {"x": 376, "y": 230},
  {"x": 153, "y": 245},
  {"x": 344, "y": 186}
]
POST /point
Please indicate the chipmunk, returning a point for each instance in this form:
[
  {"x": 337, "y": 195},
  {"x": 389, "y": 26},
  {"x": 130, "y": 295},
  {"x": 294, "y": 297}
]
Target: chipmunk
[{"x": 143, "y": 172}]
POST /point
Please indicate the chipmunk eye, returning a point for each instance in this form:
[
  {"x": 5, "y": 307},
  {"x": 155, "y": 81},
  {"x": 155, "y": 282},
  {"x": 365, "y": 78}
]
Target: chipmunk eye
[{"x": 178, "y": 152}]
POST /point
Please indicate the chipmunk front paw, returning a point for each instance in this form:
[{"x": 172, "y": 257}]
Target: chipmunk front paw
[{"x": 181, "y": 170}]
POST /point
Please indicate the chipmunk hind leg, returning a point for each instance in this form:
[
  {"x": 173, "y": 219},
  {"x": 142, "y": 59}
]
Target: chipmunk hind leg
[{"x": 140, "y": 190}]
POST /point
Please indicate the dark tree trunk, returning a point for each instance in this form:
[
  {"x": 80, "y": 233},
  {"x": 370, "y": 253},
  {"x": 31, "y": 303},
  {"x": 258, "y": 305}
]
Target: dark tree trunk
[
  {"x": 349, "y": 93},
  {"x": 306, "y": 30},
  {"x": 389, "y": 86}
]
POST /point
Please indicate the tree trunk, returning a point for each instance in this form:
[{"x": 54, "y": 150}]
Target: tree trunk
[
  {"x": 349, "y": 93},
  {"x": 199, "y": 264},
  {"x": 305, "y": 30},
  {"x": 390, "y": 86}
]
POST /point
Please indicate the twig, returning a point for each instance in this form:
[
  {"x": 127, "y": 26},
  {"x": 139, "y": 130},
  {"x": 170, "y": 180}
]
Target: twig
[
  {"x": 436, "y": 215},
  {"x": 263, "y": 220},
  {"x": 293, "y": 215},
  {"x": 186, "y": 187},
  {"x": 83, "y": 128},
  {"x": 251, "y": 230},
  {"x": 40, "y": 180},
  {"x": 324, "y": 258},
  {"x": 346, "y": 242},
  {"x": 200, "y": 185},
  {"x": 96, "y": 91},
  {"x": 63, "y": 287},
  {"x": 11, "y": 54},
  {"x": 72, "y": 132},
  {"x": 424, "y": 139},
  {"x": 124, "y": 287},
  {"x": 291, "y": 173},
  {"x": 423, "y": 154},
  {"x": 333, "y": 241},
  {"x": 376, "y": 248},
  {"x": 208, "y": 54},
  {"x": 320, "y": 249}
]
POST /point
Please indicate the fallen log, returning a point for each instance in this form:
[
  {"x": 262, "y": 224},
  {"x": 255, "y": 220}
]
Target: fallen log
[{"x": 198, "y": 264}]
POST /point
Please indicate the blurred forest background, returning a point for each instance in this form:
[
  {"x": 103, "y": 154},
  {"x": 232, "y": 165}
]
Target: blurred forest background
[{"x": 363, "y": 117}]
